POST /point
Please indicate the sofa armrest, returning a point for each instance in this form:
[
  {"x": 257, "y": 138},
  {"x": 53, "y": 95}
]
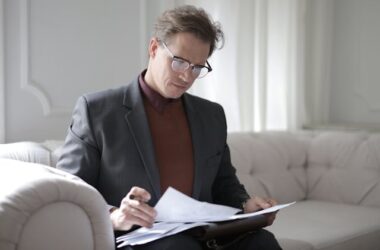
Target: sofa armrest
[{"x": 45, "y": 208}]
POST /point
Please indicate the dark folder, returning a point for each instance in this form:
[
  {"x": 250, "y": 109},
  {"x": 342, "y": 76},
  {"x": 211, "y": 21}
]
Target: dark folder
[{"x": 229, "y": 228}]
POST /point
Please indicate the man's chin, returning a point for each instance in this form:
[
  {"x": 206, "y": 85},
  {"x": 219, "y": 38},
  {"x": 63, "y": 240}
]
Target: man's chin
[{"x": 175, "y": 94}]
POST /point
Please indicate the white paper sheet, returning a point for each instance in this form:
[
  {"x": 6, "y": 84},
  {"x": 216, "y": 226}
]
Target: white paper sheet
[
  {"x": 264, "y": 211},
  {"x": 175, "y": 206},
  {"x": 159, "y": 230},
  {"x": 177, "y": 212}
]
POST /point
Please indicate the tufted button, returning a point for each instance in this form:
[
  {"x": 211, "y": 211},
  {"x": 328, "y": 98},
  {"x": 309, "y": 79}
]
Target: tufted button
[{"x": 251, "y": 171}]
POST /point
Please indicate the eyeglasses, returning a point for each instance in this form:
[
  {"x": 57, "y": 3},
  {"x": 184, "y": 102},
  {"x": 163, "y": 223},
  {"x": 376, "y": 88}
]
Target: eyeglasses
[{"x": 181, "y": 65}]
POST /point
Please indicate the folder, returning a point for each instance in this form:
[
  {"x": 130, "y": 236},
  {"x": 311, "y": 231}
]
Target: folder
[{"x": 228, "y": 228}]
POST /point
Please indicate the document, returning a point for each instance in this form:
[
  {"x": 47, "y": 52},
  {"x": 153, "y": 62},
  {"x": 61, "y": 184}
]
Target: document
[
  {"x": 158, "y": 231},
  {"x": 177, "y": 212},
  {"x": 175, "y": 206}
]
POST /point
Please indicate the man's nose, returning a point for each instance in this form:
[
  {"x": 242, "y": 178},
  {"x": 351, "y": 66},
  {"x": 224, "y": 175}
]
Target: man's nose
[{"x": 188, "y": 75}]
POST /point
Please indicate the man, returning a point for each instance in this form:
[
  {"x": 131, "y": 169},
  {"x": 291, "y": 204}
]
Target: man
[{"x": 133, "y": 142}]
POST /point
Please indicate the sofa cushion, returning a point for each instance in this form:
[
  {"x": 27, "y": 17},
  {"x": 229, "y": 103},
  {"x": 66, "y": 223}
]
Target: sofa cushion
[
  {"x": 271, "y": 164},
  {"x": 328, "y": 225},
  {"x": 345, "y": 167}
]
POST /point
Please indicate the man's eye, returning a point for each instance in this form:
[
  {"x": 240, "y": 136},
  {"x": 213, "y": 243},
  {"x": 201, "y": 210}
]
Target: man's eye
[
  {"x": 199, "y": 67},
  {"x": 179, "y": 61}
]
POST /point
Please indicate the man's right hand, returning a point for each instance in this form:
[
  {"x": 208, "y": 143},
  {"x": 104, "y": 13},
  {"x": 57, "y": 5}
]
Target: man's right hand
[{"x": 133, "y": 210}]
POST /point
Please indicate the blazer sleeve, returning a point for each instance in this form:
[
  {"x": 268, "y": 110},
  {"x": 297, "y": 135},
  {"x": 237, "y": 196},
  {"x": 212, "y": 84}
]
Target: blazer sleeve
[
  {"x": 227, "y": 188},
  {"x": 80, "y": 154}
]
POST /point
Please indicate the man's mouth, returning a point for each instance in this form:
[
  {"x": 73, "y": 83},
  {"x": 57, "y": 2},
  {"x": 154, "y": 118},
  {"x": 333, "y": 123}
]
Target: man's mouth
[{"x": 180, "y": 85}]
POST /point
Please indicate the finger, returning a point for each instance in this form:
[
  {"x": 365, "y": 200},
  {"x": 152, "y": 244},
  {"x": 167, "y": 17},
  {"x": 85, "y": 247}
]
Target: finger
[
  {"x": 124, "y": 221},
  {"x": 136, "y": 215},
  {"x": 136, "y": 193},
  {"x": 252, "y": 205},
  {"x": 262, "y": 203},
  {"x": 140, "y": 217},
  {"x": 143, "y": 207},
  {"x": 141, "y": 222},
  {"x": 145, "y": 211},
  {"x": 139, "y": 194},
  {"x": 271, "y": 201}
]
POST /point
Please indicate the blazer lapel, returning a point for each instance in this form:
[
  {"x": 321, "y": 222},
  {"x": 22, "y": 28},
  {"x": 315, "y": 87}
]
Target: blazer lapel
[
  {"x": 197, "y": 138},
  {"x": 139, "y": 128}
]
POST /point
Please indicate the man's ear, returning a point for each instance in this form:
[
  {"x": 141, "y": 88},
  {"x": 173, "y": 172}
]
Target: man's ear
[{"x": 153, "y": 46}]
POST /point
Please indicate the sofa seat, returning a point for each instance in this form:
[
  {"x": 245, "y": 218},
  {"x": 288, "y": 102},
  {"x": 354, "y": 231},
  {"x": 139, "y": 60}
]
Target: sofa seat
[{"x": 328, "y": 226}]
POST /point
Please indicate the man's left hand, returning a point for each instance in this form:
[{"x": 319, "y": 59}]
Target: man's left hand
[{"x": 258, "y": 203}]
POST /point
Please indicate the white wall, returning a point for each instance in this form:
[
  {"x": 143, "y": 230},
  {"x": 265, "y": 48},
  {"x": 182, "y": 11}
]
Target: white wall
[
  {"x": 355, "y": 67},
  {"x": 2, "y": 83},
  {"x": 56, "y": 50},
  {"x": 52, "y": 51}
]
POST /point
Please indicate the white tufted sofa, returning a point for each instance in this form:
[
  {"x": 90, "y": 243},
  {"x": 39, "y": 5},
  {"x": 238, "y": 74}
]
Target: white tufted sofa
[
  {"x": 333, "y": 176},
  {"x": 44, "y": 208}
]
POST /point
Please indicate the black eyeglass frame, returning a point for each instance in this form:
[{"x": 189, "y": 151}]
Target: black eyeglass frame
[{"x": 190, "y": 65}]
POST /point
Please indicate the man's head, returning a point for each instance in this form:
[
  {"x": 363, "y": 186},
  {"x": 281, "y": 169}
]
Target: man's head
[
  {"x": 189, "y": 19},
  {"x": 183, "y": 40}
]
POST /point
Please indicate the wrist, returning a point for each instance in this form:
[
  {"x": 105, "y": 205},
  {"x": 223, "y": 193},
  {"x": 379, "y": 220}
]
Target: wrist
[{"x": 115, "y": 218}]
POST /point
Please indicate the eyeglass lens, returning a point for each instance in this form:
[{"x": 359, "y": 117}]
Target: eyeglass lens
[{"x": 179, "y": 65}]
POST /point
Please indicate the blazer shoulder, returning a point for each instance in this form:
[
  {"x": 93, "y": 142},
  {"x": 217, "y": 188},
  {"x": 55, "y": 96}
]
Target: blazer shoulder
[
  {"x": 107, "y": 96},
  {"x": 202, "y": 103},
  {"x": 199, "y": 101}
]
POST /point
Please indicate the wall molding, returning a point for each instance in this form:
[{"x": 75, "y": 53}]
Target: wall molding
[
  {"x": 27, "y": 83},
  {"x": 2, "y": 72}
]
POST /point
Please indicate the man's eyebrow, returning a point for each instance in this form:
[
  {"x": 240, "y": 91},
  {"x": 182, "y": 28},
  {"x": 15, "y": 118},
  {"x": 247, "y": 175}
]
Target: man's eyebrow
[{"x": 195, "y": 64}]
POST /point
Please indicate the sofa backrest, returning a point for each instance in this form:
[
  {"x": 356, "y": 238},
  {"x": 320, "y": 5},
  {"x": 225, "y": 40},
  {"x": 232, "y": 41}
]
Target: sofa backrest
[
  {"x": 271, "y": 164},
  {"x": 45, "y": 153},
  {"x": 26, "y": 151},
  {"x": 332, "y": 166},
  {"x": 288, "y": 166},
  {"x": 345, "y": 167}
]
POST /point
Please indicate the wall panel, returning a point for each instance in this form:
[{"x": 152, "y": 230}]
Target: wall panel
[{"x": 58, "y": 50}]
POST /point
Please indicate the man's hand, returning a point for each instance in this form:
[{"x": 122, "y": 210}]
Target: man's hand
[
  {"x": 133, "y": 210},
  {"x": 257, "y": 203}
]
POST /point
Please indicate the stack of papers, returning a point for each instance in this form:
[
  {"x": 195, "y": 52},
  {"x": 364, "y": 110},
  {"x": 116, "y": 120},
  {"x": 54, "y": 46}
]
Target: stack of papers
[
  {"x": 159, "y": 230},
  {"x": 177, "y": 212}
]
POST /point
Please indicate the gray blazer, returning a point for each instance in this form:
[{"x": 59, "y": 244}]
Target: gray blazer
[{"x": 109, "y": 145}]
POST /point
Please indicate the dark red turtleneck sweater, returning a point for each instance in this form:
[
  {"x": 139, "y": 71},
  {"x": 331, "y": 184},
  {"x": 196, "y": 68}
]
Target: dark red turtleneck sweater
[{"x": 171, "y": 136}]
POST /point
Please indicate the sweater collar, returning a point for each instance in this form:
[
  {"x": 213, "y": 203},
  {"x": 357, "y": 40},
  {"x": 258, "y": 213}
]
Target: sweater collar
[{"x": 158, "y": 102}]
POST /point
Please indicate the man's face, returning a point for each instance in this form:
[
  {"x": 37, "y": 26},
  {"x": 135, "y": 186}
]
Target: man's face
[{"x": 162, "y": 78}]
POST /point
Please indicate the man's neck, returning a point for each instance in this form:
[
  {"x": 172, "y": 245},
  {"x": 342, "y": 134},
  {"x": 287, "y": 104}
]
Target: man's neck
[{"x": 148, "y": 78}]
